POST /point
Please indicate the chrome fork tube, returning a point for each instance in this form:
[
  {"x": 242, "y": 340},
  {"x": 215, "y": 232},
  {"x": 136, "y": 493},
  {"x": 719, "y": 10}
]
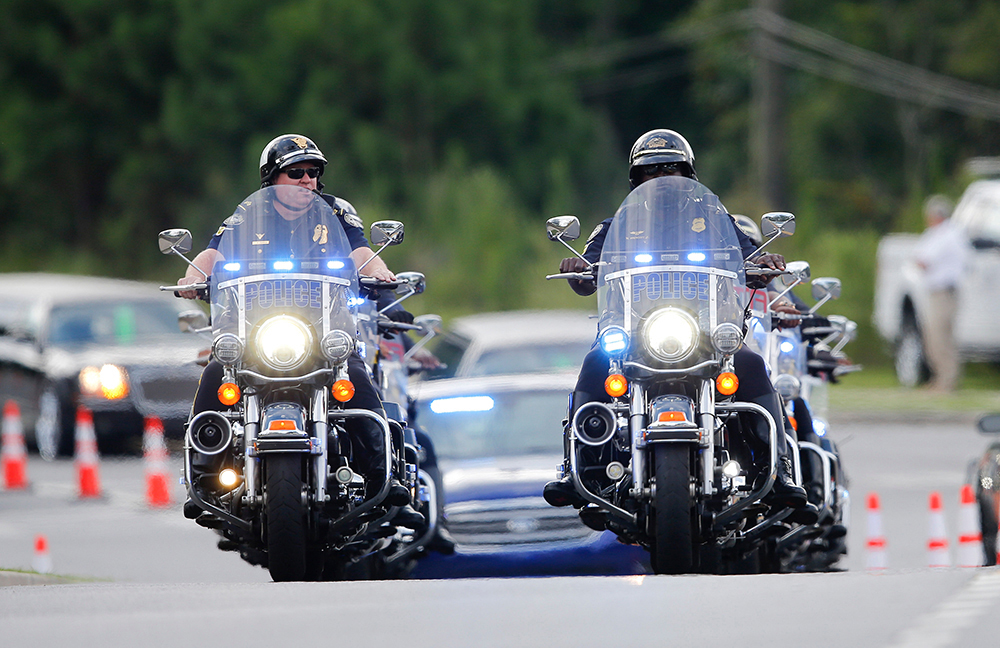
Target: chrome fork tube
[
  {"x": 251, "y": 425},
  {"x": 636, "y": 424},
  {"x": 318, "y": 416},
  {"x": 706, "y": 421}
]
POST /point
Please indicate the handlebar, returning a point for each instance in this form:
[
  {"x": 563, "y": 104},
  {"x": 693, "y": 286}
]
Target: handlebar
[{"x": 579, "y": 276}]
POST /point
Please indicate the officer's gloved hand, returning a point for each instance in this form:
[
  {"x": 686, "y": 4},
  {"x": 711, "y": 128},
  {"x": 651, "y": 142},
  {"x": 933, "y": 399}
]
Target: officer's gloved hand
[{"x": 400, "y": 315}]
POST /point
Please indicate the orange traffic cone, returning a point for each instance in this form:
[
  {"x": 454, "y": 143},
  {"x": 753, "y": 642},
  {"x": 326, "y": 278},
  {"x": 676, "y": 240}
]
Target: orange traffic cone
[
  {"x": 15, "y": 455},
  {"x": 42, "y": 562},
  {"x": 876, "y": 557},
  {"x": 155, "y": 452},
  {"x": 970, "y": 535},
  {"x": 937, "y": 537},
  {"x": 86, "y": 454}
]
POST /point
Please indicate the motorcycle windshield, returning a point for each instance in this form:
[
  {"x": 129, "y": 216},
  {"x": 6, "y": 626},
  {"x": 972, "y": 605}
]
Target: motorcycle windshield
[
  {"x": 671, "y": 245},
  {"x": 284, "y": 252}
]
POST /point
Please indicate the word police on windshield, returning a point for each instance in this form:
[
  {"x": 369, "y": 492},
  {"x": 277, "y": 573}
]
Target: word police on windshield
[{"x": 670, "y": 285}]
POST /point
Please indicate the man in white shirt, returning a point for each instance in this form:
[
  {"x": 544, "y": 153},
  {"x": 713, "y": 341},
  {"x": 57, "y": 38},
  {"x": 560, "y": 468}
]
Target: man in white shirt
[{"x": 941, "y": 253}]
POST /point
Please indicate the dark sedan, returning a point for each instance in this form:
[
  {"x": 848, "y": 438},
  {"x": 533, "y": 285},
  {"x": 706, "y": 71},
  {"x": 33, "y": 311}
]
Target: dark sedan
[
  {"x": 110, "y": 345},
  {"x": 498, "y": 440}
]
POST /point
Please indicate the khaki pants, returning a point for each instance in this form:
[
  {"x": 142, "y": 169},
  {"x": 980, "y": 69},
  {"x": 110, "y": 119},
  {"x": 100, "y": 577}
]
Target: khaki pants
[{"x": 939, "y": 339}]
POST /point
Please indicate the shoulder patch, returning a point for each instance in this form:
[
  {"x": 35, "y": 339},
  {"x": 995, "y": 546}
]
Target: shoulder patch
[
  {"x": 233, "y": 220},
  {"x": 597, "y": 230}
]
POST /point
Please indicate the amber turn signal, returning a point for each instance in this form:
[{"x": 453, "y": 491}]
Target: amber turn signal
[
  {"x": 343, "y": 390},
  {"x": 727, "y": 383},
  {"x": 616, "y": 385},
  {"x": 229, "y": 394}
]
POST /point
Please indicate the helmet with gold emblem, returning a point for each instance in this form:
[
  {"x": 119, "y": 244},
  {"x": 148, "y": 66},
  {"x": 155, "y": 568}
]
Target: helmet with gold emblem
[
  {"x": 285, "y": 150},
  {"x": 660, "y": 146}
]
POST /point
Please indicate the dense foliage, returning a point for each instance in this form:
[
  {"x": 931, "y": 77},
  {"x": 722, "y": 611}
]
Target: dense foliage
[{"x": 471, "y": 121}]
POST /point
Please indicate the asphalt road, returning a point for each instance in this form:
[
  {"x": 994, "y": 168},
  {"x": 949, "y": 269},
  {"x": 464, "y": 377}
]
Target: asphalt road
[{"x": 155, "y": 578}]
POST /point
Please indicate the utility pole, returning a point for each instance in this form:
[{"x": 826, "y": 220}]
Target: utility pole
[{"x": 767, "y": 123}]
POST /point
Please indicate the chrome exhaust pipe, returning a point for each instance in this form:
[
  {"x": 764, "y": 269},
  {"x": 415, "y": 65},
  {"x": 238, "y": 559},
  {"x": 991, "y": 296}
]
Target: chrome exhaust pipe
[
  {"x": 210, "y": 433},
  {"x": 594, "y": 424}
]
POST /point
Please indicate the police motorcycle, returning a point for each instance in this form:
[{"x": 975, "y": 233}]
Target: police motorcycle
[
  {"x": 661, "y": 461},
  {"x": 276, "y": 471},
  {"x": 381, "y": 345},
  {"x": 803, "y": 360}
]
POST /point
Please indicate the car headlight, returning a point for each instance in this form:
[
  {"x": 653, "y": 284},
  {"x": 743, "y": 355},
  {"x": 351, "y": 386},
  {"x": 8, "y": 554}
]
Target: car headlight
[
  {"x": 109, "y": 381},
  {"x": 283, "y": 342},
  {"x": 670, "y": 334}
]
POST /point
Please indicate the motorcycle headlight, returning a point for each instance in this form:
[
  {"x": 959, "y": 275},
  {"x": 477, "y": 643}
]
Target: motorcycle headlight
[
  {"x": 283, "y": 342},
  {"x": 727, "y": 338},
  {"x": 670, "y": 334},
  {"x": 337, "y": 345},
  {"x": 227, "y": 349},
  {"x": 614, "y": 340}
]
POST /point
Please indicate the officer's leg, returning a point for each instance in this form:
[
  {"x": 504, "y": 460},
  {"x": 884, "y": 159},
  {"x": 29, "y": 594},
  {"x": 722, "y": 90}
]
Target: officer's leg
[
  {"x": 368, "y": 436},
  {"x": 589, "y": 388},
  {"x": 755, "y": 387}
]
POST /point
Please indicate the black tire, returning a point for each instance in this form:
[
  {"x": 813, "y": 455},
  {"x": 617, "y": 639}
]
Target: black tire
[
  {"x": 54, "y": 428},
  {"x": 911, "y": 359},
  {"x": 988, "y": 526},
  {"x": 673, "y": 545},
  {"x": 286, "y": 518}
]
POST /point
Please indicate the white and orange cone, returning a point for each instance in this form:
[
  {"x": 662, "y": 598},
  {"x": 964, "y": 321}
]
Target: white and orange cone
[
  {"x": 970, "y": 535},
  {"x": 937, "y": 536},
  {"x": 87, "y": 470},
  {"x": 155, "y": 453},
  {"x": 14, "y": 454},
  {"x": 42, "y": 561},
  {"x": 876, "y": 557}
]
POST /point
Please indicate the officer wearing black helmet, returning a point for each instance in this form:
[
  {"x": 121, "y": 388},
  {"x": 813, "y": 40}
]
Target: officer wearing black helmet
[
  {"x": 658, "y": 153},
  {"x": 296, "y": 160}
]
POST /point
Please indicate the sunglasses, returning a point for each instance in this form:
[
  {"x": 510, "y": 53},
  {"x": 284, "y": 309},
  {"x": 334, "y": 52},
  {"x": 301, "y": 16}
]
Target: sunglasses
[
  {"x": 297, "y": 173},
  {"x": 668, "y": 167}
]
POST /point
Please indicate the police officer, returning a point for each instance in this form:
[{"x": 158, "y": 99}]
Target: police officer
[
  {"x": 656, "y": 154},
  {"x": 294, "y": 160}
]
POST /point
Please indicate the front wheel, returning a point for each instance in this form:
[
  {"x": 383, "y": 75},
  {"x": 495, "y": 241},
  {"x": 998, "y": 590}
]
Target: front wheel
[
  {"x": 911, "y": 361},
  {"x": 673, "y": 523},
  {"x": 286, "y": 518}
]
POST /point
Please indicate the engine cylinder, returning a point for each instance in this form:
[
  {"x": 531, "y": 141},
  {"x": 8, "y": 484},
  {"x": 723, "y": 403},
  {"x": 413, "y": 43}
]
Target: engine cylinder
[
  {"x": 594, "y": 424},
  {"x": 210, "y": 433}
]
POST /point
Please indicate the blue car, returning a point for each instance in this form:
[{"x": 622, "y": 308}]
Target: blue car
[{"x": 498, "y": 440}]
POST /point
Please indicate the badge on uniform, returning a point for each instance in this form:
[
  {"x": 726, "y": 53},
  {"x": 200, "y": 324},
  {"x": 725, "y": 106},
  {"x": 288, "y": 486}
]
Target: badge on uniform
[
  {"x": 698, "y": 225},
  {"x": 320, "y": 234}
]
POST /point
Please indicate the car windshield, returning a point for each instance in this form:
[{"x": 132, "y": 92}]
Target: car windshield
[
  {"x": 115, "y": 324},
  {"x": 534, "y": 358},
  {"x": 494, "y": 425}
]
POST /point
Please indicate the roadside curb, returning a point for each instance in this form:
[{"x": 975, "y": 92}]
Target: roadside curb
[{"x": 12, "y": 578}]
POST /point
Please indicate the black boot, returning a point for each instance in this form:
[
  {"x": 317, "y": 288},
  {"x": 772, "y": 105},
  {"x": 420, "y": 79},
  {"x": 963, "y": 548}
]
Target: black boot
[
  {"x": 561, "y": 492},
  {"x": 408, "y": 517},
  {"x": 784, "y": 492}
]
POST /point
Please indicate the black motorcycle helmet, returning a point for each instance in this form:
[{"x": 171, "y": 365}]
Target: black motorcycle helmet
[
  {"x": 286, "y": 150},
  {"x": 660, "y": 146}
]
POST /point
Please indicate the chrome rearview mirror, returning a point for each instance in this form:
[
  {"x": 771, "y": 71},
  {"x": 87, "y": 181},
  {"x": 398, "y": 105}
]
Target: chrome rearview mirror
[
  {"x": 428, "y": 323},
  {"x": 775, "y": 224},
  {"x": 175, "y": 241},
  {"x": 563, "y": 228},
  {"x": 989, "y": 424},
  {"x": 192, "y": 320},
  {"x": 798, "y": 272},
  {"x": 387, "y": 232},
  {"x": 412, "y": 282},
  {"x": 824, "y": 289}
]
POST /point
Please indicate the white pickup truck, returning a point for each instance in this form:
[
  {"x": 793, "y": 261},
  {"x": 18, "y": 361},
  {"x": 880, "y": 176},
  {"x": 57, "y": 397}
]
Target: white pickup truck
[{"x": 901, "y": 298}]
